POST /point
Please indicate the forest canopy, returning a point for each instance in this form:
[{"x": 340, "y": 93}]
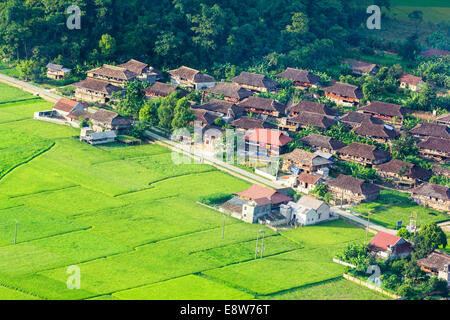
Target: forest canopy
[{"x": 167, "y": 33}]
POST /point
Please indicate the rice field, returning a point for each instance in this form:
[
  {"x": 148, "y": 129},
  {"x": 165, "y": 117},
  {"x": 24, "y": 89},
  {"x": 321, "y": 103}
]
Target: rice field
[{"x": 128, "y": 218}]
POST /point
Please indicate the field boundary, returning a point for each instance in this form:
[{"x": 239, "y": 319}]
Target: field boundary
[{"x": 370, "y": 286}]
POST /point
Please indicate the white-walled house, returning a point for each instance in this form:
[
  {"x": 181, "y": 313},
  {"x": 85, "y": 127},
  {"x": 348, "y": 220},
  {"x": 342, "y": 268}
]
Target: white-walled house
[{"x": 306, "y": 211}]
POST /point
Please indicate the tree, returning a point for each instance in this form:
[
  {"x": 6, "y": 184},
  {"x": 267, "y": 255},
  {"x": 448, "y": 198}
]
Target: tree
[
  {"x": 134, "y": 99},
  {"x": 404, "y": 146},
  {"x": 428, "y": 238},
  {"x": 404, "y": 233},
  {"x": 409, "y": 48},
  {"x": 27, "y": 69},
  {"x": 149, "y": 112},
  {"x": 299, "y": 24},
  {"x": 107, "y": 45},
  {"x": 182, "y": 114},
  {"x": 166, "y": 110}
]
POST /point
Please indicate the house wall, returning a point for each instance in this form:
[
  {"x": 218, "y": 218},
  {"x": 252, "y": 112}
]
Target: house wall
[
  {"x": 90, "y": 96},
  {"x": 434, "y": 203}
]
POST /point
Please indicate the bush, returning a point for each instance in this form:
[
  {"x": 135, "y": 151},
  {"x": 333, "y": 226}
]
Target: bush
[{"x": 215, "y": 199}]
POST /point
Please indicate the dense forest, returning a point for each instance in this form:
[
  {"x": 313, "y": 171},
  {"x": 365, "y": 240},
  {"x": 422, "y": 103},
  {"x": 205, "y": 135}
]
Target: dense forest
[{"x": 167, "y": 33}]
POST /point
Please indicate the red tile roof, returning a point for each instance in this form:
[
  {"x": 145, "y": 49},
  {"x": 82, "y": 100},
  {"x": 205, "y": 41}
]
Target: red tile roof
[
  {"x": 65, "y": 105},
  {"x": 410, "y": 79},
  {"x": 269, "y": 136},
  {"x": 383, "y": 240},
  {"x": 259, "y": 194}
]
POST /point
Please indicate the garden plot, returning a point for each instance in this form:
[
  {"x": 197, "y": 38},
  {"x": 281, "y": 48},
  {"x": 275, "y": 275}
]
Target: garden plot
[
  {"x": 394, "y": 206},
  {"x": 12, "y": 94},
  {"x": 11, "y": 294},
  {"x": 185, "y": 288}
]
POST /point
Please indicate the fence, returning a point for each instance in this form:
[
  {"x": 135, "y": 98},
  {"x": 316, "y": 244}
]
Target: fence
[{"x": 371, "y": 286}]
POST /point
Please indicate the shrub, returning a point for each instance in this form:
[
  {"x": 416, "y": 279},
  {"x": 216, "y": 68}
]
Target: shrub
[{"x": 215, "y": 199}]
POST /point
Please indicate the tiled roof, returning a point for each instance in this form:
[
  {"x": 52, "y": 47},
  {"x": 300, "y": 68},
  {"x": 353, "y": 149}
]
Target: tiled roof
[
  {"x": 383, "y": 240},
  {"x": 251, "y": 123},
  {"x": 410, "y": 79},
  {"x": 435, "y": 52},
  {"x": 256, "y": 192},
  {"x": 97, "y": 85},
  {"x": 361, "y": 66},
  {"x": 261, "y": 103},
  {"x": 308, "y": 178},
  {"x": 354, "y": 118},
  {"x": 205, "y": 116},
  {"x": 222, "y": 106},
  {"x": 369, "y": 129},
  {"x": 410, "y": 169},
  {"x": 114, "y": 72},
  {"x": 436, "y": 144},
  {"x": 191, "y": 74},
  {"x": 163, "y": 89},
  {"x": 268, "y": 136},
  {"x": 435, "y": 261},
  {"x": 65, "y": 105}
]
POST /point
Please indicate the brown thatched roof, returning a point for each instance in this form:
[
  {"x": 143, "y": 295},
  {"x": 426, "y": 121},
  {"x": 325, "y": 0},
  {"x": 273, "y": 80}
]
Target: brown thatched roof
[
  {"x": 407, "y": 169},
  {"x": 354, "y": 118},
  {"x": 251, "y": 123},
  {"x": 311, "y": 106},
  {"x": 370, "y": 129},
  {"x": 313, "y": 119},
  {"x": 110, "y": 118},
  {"x": 385, "y": 109},
  {"x": 320, "y": 141},
  {"x": 435, "y": 261},
  {"x": 432, "y": 190},
  {"x": 361, "y": 66},
  {"x": 230, "y": 90},
  {"x": 345, "y": 90},
  {"x": 364, "y": 151},
  {"x": 354, "y": 185},
  {"x": 222, "y": 106},
  {"x": 431, "y": 130},
  {"x": 260, "y": 103},
  {"x": 97, "y": 85},
  {"x": 254, "y": 80},
  {"x": 205, "y": 116},
  {"x": 436, "y": 144},
  {"x": 299, "y": 75},
  {"x": 191, "y": 75},
  {"x": 114, "y": 72}
]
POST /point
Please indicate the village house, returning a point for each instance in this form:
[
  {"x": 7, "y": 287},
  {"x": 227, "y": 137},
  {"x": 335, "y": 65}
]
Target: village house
[
  {"x": 143, "y": 71},
  {"x": 432, "y": 195},
  {"x": 441, "y": 171},
  {"x": 225, "y": 109},
  {"x": 408, "y": 81},
  {"x": 65, "y": 106},
  {"x": 323, "y": 143},
  {"x": 382, "y": 133},
  {"x": 437, "y": 149},
  {"x": 353, "y": 119},
  {"x": 444, "y": 119},
  {"x": 388, "y": 112},
  {"x": 432, "y": 52},
  {"x": 231, "y": 91},
  {"x": 310, "y": 106},
  {"x": 263, "y": 107},
  {"x": 253, "y": 204},
  {"x": 301, "y": 160},
  {"x": 203, "y": 117},
  {"x": 266, "y": 142},
  {"x": 307, "y": 182},
  {"x": 352, "y": 190},
  {"x": 424, "y": 130},
  {"x": 247, "y": 123},
  {"x": 389, "y": 246},
  {"x": 403, "y": 173},
  {"x": 364, "y": 154},
  {"x": 360, "y": 68},
  {"x": 255, "y": 82},
  {"x": 344, "y": 94},
  {"x": 307, "y": 119},
  {"x": 94, "y": 138},
  {"x": 436, "y": 263},
  {"x": 57, "y": 72},
  {"x": 306, "y": 211},
  {"x": 211, "y": 135},
  {"x": 191, "y": 78},
  {"x": 301, "y": 79},
  {"x": 160, "y": 89},
  {"x": 95, "y": 91},
  {"x": 114, "y": 75},
  {"x": 104, "y": 120}
]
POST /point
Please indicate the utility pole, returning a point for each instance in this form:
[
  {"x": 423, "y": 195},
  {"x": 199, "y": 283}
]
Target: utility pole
[
  {"x": 368, "y": 223},
  {"x": 260, "y": 243}
]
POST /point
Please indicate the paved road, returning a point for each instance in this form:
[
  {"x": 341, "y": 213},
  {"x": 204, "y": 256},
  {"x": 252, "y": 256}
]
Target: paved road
[
  {"x": 26, "y": 86},
  {"x": 361, "y": 221},
  {"x": 187, "y": 149}
]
